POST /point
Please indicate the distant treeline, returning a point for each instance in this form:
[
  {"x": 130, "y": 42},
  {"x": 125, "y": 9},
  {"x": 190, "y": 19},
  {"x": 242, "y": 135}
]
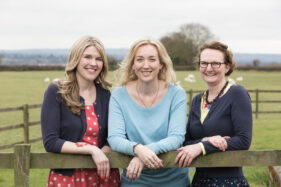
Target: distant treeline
[{"x": 182, "y": 46}]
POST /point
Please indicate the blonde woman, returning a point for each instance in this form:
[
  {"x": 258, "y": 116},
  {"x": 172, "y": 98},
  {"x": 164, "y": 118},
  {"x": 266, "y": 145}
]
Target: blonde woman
[
  {"x": 75, "y": 113},
  {"x": 147, "y": 116}
]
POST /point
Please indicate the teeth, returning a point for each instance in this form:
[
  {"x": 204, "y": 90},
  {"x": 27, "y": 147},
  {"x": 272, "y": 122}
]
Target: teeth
[
  {"x": 146, "y": 72},
  {"x": 92, "y": 70},
  {"x": 209, "y": 74}
]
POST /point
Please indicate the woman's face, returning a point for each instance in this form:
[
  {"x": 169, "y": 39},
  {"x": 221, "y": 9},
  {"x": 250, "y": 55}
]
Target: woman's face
[
  {"x": 146, "y": 63},
  {"x": 90, "y": 65},
  {"x": 212, "y": 75}
]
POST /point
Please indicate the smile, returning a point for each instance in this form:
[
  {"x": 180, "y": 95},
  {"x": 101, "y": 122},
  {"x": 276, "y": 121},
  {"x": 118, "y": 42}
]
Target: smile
[
  {"x": 210, "y": 74},
  {"x": 91, "y": 69},
  {"x": 146, "y": 72}
]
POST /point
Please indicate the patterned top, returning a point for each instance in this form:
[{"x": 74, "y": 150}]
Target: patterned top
[{"x": 86, "y": 177}]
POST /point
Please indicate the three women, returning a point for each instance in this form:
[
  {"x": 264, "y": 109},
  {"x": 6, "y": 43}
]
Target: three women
[{"x": 147, "y": 116}]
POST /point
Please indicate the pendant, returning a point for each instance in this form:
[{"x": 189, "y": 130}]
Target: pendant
[{"x": 207, "y": 106}]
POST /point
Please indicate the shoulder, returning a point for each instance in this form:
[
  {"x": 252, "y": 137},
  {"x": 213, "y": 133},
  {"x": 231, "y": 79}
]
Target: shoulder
[
  {"x": 176, "y": 89},
  {"x": 102, "y": 91},
  {"x": 118, "y": 90},
  {"x": 52, "y": 88},
  {"x": 52, "y": 93},
  {"x": 198, "y": 96},
  {"x": 237, "y": 90}
]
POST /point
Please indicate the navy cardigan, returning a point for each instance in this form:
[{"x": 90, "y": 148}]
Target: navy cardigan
[
  {"x": 58, "y": 124},
  {"x": 230, "y": 115}
]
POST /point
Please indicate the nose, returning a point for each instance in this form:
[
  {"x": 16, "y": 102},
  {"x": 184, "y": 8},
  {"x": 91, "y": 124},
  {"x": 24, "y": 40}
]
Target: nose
[
  {"x": 209, "y": 67},
  {"x": 146, "y": 64},
  {"x": 93, "y": 62}
]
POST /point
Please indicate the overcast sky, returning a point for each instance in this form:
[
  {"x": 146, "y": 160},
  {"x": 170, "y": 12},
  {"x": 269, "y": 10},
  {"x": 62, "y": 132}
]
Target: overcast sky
[{"x": 248, "y": 26}]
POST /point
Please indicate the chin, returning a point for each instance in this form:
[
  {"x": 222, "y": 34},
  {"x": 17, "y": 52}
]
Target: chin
[{"x": 210, "y": 81}]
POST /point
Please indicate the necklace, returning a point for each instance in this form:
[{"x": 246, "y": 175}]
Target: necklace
[
  {"x": 220, "y": 93},
  {"x": 139, "y": 97}
]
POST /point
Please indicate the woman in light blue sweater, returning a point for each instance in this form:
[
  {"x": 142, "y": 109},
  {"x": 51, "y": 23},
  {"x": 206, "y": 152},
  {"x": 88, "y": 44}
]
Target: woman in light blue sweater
[{"x": 147, "y": 116}]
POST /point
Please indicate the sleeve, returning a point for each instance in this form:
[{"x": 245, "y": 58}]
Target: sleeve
[
  {"x": 241, "y": 117},
  {"x": 107, "y": 104},
  {"x": 50, "y": 120},
  {"x": 176, "y": 130},
  {"x": 188, "y": 137},
  {"x": 117, "y": 137}
]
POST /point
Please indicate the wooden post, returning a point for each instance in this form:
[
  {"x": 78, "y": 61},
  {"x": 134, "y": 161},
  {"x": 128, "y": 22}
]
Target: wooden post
[
  {"x": 274, "y": 175},
  {"x": 257, "y": 103},
  {"x": 25, "y": 123},
  {"x": 21, "y": 165},
  {"x": 190, "y": 99}
]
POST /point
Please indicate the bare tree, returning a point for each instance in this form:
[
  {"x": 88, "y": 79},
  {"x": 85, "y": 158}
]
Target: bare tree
[
  {"x": 179, "y": 48},
  {"x": 197, "y": 33},
  {"x": 183, "y": 46}
]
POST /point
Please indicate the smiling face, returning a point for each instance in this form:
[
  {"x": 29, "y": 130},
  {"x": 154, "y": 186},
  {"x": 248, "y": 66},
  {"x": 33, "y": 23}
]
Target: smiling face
[
  {"x": 213, "y": 76},
  {"x": 90, "y": 65},
  {"x": 146, "y": 63}
]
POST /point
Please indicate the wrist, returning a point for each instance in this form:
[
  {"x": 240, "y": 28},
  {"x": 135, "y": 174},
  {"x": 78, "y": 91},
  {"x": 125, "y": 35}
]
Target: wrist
[
  {"x": 204, "y": 139},
  {"x": 92, "y": 149},
  {"x": 202, "y": 148},
  {"x": 135, "y": 148}
]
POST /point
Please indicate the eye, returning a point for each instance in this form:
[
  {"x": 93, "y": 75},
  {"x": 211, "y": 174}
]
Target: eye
[
  {"x": 204, "y": 63},
  {"x": 88, "y": 56},
  {"x": 139, "y": 59},
  {"x": 215, "y": 63},
  {"x": 152, "y": 59},
  {"x": 99, "y": 59}
]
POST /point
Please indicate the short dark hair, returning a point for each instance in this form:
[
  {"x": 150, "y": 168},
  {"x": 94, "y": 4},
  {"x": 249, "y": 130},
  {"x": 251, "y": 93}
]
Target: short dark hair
[{"x": 228, "y": 56}]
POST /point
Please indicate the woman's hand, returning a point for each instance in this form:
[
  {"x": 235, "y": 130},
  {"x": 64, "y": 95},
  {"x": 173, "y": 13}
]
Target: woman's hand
[
  {"x": 101, "y": 161},
  {"x": 148, "y": 157},
  {"x": 134, "y": 169},
  {"x": 106, "y": 149},
  {"x": 218, "y": 141},
  {"x": 187, "y": 154}
]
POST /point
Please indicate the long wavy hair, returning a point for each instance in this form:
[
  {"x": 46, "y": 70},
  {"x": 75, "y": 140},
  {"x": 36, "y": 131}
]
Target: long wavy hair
[
  {"x": 68, "y": 86},
  {"x": 126, "y": 73}
]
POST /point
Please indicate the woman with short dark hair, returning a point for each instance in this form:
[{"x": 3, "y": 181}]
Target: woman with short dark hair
[{"x": 220, "y": 119}]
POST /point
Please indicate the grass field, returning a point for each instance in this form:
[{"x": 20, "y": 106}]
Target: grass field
[{"x": 19, "y": 88}]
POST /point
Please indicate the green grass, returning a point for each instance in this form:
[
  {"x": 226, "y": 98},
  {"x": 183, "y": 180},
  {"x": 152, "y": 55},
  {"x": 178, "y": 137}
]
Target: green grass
[{"x": 19, "y": 88}]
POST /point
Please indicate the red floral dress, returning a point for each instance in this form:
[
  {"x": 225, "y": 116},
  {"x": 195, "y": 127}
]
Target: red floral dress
[{"x": 86, "y": 177}]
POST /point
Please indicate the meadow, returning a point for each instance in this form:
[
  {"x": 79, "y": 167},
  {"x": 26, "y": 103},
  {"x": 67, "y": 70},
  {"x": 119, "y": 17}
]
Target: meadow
[{"x": 28, "y": 87}]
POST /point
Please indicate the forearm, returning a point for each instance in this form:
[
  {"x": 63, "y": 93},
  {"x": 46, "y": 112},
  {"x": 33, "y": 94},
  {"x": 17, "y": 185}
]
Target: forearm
[
  {"x": 170, "y": 143},
  {"x": 78, "y": 148},
  {"x": 121, "y": 144},
  {"x": 190, "y": 142}
]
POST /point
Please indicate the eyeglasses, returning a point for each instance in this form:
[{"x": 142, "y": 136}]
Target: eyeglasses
[{"x": 214, "y": 65}]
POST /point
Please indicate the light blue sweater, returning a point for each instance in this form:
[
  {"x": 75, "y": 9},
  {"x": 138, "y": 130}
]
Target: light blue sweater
[{"x": 161, "y": 128}]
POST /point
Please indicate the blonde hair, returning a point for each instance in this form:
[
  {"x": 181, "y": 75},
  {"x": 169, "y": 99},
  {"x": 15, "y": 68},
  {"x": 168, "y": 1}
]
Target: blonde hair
[
  {"x": 68, "y": 86},
  {"x": 167, "y": 73}
]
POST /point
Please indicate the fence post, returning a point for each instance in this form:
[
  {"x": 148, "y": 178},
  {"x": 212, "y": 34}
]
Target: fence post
[
  {"x": 190, "y": 98},
  {"x": 21, "y": 165},
  {"x": 25, "y": 123},
  {"x": 257, "y": 103}
]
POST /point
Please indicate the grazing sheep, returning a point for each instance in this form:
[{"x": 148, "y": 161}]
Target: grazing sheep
[{"x": 190, "y": 78}]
